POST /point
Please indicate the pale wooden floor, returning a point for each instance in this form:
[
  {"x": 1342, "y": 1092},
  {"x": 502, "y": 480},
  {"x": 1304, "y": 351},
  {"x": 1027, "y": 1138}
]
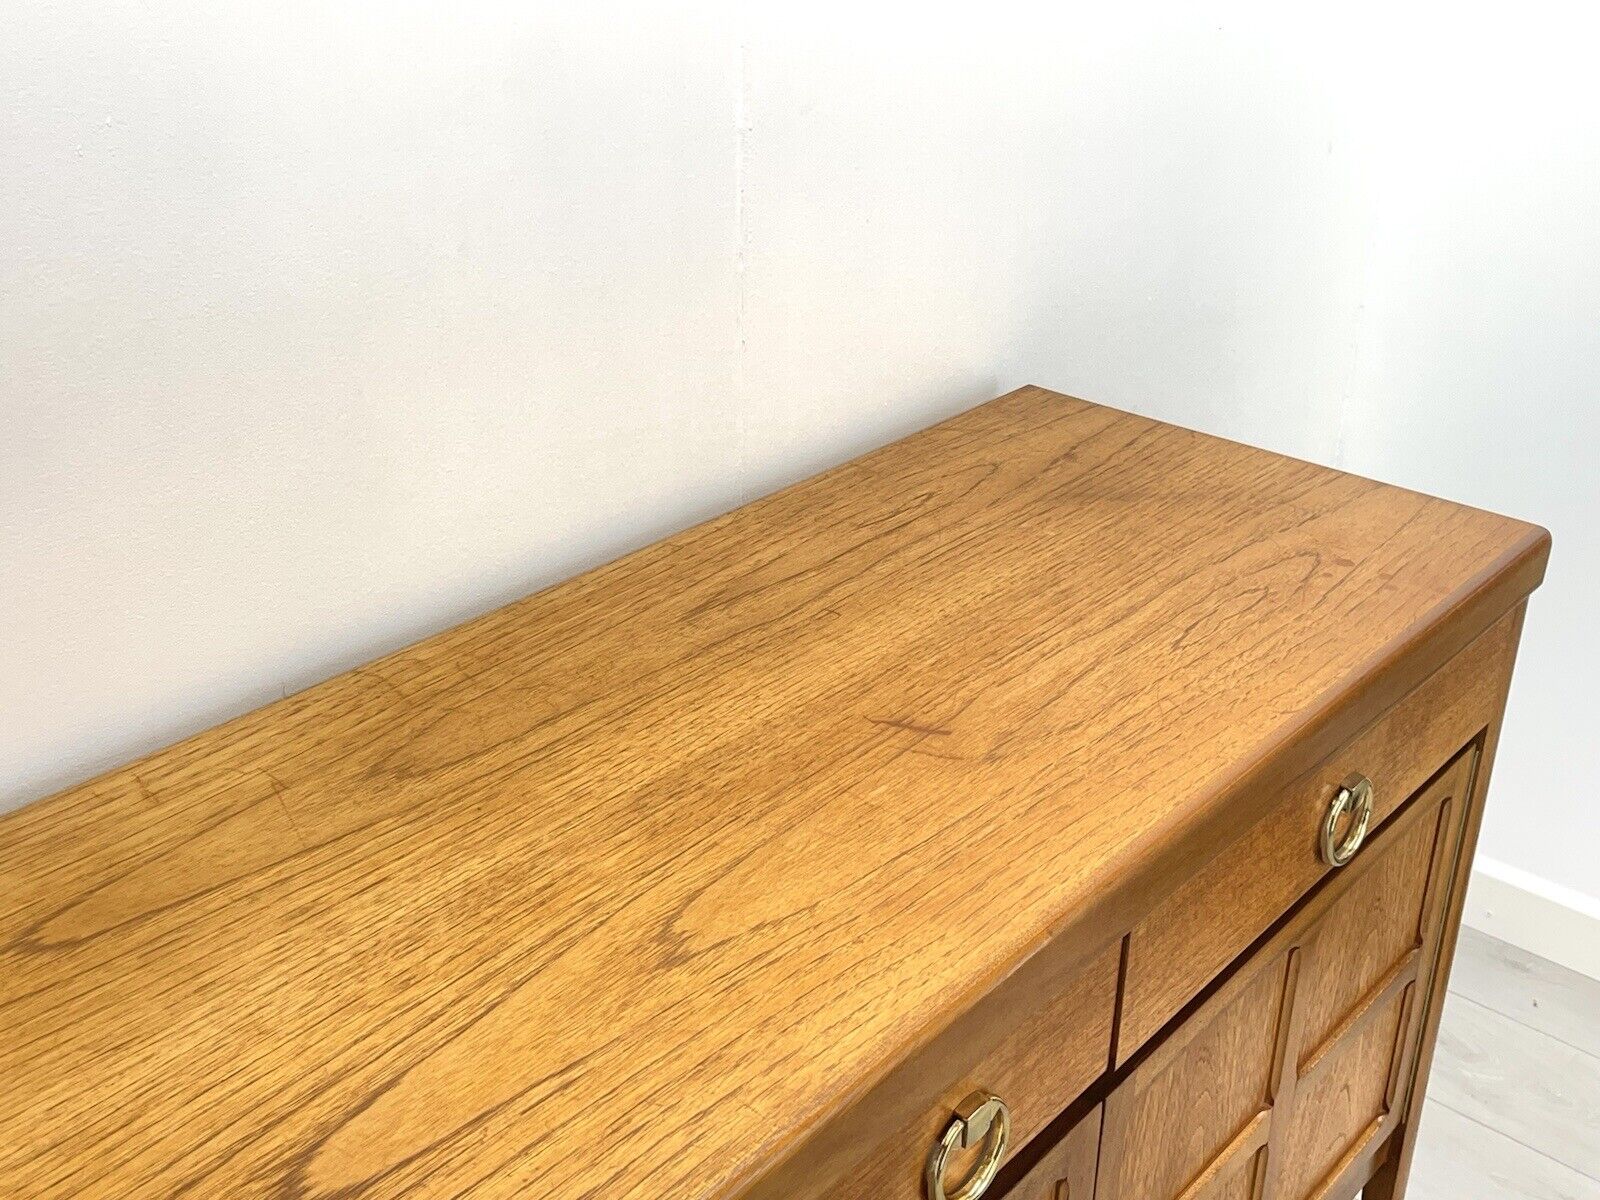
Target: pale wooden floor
[{"x": 1513, "y": 1109}]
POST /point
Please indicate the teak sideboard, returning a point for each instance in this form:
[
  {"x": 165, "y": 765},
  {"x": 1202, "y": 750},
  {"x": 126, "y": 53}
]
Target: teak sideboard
[{"x": 1053, "y": 805}]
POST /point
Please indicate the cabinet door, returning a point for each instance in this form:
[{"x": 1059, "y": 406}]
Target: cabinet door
[
  {"x": 1365, "y": 966},
  {"x": 1193, "y": 1118},
  {"x": 1067, "y": 1169},
  {"x": 1284, "y": 1083}
]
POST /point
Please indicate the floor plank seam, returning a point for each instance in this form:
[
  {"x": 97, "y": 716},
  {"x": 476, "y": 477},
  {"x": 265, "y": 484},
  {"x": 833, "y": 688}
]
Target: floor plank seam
[
  {"x": 1544, "y": 1154},
  {"x": 1544, "y": 1033}
]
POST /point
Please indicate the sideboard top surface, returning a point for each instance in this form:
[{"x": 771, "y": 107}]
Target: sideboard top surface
[{"x": 627, "y": 888}]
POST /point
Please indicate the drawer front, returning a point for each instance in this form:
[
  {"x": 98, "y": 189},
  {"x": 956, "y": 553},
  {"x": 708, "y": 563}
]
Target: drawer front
[
  {"x": 1209, "y": 921},
  {"x": 1066, "y": 1170},
  {"x": 1364, "y": 967},
  {"x": 1289, "y": 1078},
  {"x": 1040, "y": 1068},
  {"x": 1192, "y": 1120}
]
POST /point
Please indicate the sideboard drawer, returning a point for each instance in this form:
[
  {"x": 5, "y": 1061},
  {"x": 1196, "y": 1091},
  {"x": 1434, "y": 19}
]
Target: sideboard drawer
[
  {"x": 1293, "y": 1073},
  {"x": 1206, "y": 923},
  {"x": 1038, "y": 1069},
  {"x": 1066, "y": 1170}
]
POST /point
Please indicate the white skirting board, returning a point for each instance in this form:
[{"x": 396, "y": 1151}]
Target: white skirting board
[{"x": 1541, "y": 917}]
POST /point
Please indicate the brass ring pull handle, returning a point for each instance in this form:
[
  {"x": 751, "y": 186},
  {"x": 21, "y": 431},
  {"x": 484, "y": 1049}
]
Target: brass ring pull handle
[
  {"x": 1352, "y": 801},
  {"x": 980, "y": 1119}
]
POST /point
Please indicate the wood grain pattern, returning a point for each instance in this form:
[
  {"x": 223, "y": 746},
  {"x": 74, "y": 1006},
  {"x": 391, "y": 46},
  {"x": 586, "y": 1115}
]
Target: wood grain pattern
[
  {"x": 1048, "y": 1059},
  {"x": 643, "y": 886},
  {"x": 1206, "y": 922},
  {"x": 1370, "y": 935},
  {"x": 1343, "y": 1104},
  {"x": 1365, "y": 968},
  {"x": 1358, "y": 1007},
  {"x": 1067, "y": 1170},
  {"x": 1285, "y": 1079},
  {"x": 1195, "y": 1114},
  {"x": 1240, "y": 1181}
]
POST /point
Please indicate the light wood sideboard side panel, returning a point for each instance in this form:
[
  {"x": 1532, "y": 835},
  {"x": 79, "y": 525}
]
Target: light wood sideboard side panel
[{"x": 1388, "y": 1175}]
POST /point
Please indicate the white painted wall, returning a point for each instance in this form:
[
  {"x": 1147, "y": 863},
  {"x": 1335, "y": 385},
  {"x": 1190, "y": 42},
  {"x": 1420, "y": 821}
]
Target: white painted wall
[
  {"x": 1477, "y": 371},
  {"x": 325, "y": 326}
]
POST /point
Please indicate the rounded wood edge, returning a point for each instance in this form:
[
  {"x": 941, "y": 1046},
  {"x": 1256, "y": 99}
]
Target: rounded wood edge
[{"x": 803, "y": 1163}]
